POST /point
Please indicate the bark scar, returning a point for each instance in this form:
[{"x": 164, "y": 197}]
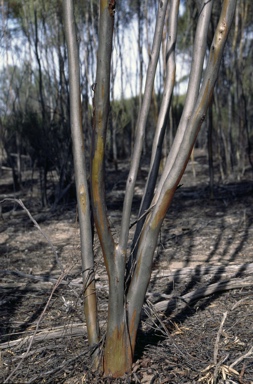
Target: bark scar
[{"x": 111, "y": 7}]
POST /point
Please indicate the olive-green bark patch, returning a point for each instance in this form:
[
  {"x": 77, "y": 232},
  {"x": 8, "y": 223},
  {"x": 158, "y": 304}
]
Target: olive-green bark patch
[
  {"x": 103, "y": 5},
  {"x": 96, "y": 166},
  {"x": 163, "y": 208},
  {"x": 82, "y": 198},
  {"x": 118, "y": 354}
]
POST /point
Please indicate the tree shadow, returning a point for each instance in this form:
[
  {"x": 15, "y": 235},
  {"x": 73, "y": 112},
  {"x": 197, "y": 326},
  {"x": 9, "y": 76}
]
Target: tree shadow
[
  {"x": 230, "y": 197},
  {"x": 15, "y": 295}
]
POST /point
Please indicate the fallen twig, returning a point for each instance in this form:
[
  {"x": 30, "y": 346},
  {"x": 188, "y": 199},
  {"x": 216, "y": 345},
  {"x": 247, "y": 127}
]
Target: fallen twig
[
  {"x": 216, "y": 346},
  {"x": 36, "y": 329},
  {"x": 241, "y": 358}
]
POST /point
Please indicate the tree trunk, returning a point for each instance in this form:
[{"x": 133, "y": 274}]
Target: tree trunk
[
  {"x": 210, "y": 149},
  {"x": 90, "y": 301}
]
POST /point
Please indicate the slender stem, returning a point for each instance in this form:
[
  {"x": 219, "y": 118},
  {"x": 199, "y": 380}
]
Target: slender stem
[
  {"x": 100, "y": 118},
  {"x": 199, "y": 52},
  {"x": 161, "y": 123},
  {"x": 166, "y": 190},
  {"x": 141, "y": 125},
  {"x": 90, "y": 303}
]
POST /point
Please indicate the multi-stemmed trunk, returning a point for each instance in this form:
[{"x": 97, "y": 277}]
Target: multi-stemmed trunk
[{"x": 129, "y": 271}]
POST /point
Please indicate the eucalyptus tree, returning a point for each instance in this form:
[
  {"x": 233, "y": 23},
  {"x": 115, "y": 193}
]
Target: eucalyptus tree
[{"x": 129, "y": 268}]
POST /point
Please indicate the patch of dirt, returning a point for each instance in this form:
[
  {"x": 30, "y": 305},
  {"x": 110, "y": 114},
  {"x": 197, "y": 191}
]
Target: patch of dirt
[{"x": 208, "y": 340}]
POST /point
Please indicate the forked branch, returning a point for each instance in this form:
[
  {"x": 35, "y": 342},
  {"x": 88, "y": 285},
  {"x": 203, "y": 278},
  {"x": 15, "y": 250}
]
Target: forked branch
[{"x": 174, "y": 171}]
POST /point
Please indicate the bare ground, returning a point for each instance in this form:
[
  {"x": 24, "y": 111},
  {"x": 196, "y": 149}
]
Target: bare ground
[{"x": 197, "y": 323}]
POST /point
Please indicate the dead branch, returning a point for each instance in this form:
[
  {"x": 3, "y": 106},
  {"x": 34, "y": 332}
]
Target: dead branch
[
  {"x": 199, "y": 293},
  {"x": 76, "y": 329}
]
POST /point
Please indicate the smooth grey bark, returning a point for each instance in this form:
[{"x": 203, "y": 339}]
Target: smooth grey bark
[
  {"x": 140, "y": 128},
  {"x": 193, "y": 89},
  {"x": 82, "y": 190},
  {"x": 140, "y": 46},
  {"x": 174, "y": 171},
  {"x": 161, "y": 124},
  {"x": 199, "y": 51},
  {"x": 210, "y": 150}
]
